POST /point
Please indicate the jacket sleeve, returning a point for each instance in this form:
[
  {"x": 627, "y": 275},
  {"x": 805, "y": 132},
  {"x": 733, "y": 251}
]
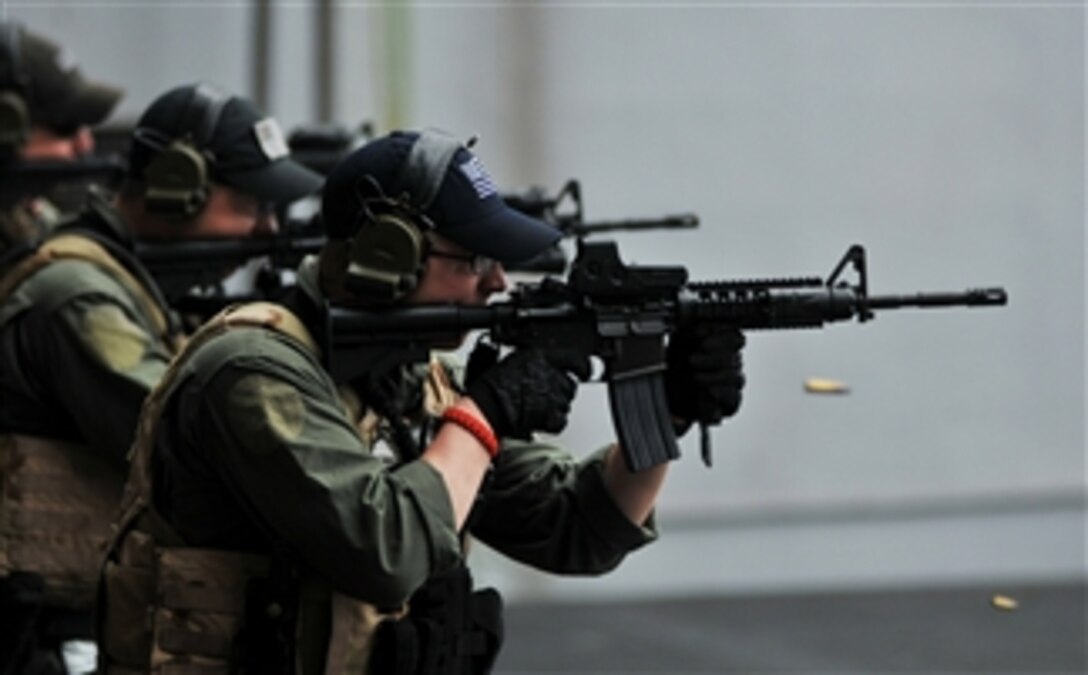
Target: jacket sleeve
[
  {"x": 547, "y": 510},
  {"x": 273, "y": 425},
  {"x": 95, "y": 356}
]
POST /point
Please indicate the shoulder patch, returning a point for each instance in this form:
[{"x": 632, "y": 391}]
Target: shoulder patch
[
  {"x": 113, "y": 337},
  {"x": 272, "y": 411}
]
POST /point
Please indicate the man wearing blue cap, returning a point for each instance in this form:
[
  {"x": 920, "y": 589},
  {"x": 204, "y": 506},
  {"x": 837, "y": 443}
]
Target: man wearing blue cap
[
  {"x": 302, "y": 527},
  {"x": 84, "y": 336}
]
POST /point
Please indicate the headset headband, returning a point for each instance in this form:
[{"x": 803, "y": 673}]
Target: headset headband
[
  {"x": 203, "y": 112},
  {"x": 426, "y": 166},
  {"x": 199, "y": 121}
]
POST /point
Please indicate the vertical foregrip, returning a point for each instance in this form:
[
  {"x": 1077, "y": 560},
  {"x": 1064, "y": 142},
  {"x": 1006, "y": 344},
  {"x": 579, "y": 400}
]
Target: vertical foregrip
[{"x": 641, "y": 417}]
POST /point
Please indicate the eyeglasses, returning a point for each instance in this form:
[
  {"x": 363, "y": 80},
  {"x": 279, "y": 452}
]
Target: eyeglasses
[{"x": 479, "y": 264}]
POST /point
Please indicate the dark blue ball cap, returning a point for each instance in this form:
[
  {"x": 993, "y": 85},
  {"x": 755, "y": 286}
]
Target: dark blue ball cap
[{"x": 466, "y": 209}]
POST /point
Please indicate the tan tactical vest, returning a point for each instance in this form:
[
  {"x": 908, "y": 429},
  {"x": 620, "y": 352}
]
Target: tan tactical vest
[
  {"x": 57, "y": 499},
  {"x": 172, "y": 609}
]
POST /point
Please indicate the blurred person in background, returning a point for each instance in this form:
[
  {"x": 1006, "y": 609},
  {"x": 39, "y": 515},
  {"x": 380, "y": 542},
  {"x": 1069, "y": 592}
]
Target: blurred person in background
[
  {"x": 47, "y": 109},
  {"x": 84, "y": 336}
]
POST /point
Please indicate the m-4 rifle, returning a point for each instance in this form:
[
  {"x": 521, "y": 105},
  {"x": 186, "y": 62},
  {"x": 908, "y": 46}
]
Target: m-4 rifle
[{"x": 622, "y": 314}]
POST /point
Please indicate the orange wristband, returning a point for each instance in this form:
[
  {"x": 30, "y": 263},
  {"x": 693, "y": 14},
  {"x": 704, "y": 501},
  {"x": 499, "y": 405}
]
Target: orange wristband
[{"x": 475, "y": 426}]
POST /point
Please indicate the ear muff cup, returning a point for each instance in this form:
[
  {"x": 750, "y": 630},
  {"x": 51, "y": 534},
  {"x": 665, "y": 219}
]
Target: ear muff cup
[
  {"x": 386, "y": 258},
  {"x": 14, "y": 111},
  {"x": 178, "y": 182}
]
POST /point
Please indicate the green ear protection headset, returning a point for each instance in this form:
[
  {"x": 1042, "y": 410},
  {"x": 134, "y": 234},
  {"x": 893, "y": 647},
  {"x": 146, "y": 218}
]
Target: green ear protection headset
[
  {"x": 389, "y": 247},
  {"x": 177, "y": 180},
  {"x": 14, "y": 114}
]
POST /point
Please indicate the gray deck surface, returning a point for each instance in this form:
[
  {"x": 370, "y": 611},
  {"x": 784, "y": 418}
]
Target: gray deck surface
[{"x": 927, "y": 631}]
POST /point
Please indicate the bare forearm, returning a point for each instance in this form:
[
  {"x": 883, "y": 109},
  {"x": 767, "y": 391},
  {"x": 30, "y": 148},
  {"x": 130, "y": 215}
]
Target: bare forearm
[
  {"x": 462, "y": 460},
  {"x": 634, "y": 493}
]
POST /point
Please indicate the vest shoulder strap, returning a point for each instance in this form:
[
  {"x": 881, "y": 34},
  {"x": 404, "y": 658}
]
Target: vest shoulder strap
[
  {"x": 272, "y": 316},
  {"x": 77, "y": 247},
  {"x": 259, "y": 314}
]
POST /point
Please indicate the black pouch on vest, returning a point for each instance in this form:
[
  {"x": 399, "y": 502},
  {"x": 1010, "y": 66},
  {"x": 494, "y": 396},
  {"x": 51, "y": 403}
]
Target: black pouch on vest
[
  {"x": 265, "y": 642},
  {"x": 449, "y": 630},
  {"x": 485, "y": 611}
]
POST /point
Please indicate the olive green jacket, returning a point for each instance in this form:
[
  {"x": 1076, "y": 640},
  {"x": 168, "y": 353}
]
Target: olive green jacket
[
  {"x": 78, "y": 351},
  {"x": 255, "y": 449}
]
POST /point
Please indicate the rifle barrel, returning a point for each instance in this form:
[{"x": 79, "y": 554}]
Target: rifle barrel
[
  {"x": 975, "y": 297},
  {"x": 207, "y": 250},
  {"x": 49, "y": 169},
  {"x": 679, "y": 221}
]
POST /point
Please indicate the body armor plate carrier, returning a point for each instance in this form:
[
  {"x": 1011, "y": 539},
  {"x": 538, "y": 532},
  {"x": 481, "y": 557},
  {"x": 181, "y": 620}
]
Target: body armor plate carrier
[
  {"x": 57, "y": 498},
  {"x": 172, "y": 609}
]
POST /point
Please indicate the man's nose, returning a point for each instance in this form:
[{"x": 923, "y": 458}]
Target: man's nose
[
  {"x": 267, "y": 223},
  {"x": 83, "y": 142},
  {"x": 495, "y": 280}
]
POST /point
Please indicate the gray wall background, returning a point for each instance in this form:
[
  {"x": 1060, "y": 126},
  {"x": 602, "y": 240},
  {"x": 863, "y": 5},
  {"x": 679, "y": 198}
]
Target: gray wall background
[{"x": 948, "y": 138}]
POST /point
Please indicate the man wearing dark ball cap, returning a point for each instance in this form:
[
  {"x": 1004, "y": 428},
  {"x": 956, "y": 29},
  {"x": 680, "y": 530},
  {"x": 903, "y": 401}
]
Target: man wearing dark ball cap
[
  {"x": 85, "y": 334},
  {"x": 47, "y": 110},
  {"x": 344, "y": 508}
]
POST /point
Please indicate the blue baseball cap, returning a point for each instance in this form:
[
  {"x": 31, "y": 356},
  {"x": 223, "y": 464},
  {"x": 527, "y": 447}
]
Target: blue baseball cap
[{"x": 465, "y": 206}]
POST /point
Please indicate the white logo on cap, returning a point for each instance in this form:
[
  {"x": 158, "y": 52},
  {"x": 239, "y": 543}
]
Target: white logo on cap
[
  {"x": 270, "y": 138},
  {"x": 65, "y": 60},
  {"x": 477, "y": 175}
]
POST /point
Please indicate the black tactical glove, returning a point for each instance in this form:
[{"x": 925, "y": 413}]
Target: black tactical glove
[
  {"x": 527, "y": 391},
  {"x": 704, "y": 378}
]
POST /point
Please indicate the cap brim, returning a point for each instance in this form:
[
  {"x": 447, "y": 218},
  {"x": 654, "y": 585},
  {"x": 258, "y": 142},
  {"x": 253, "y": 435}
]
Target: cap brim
[
  {"x": 92, "y": 103},
  {"x": 505, "y": 234},
  {"x": 280, "y": 182}
]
